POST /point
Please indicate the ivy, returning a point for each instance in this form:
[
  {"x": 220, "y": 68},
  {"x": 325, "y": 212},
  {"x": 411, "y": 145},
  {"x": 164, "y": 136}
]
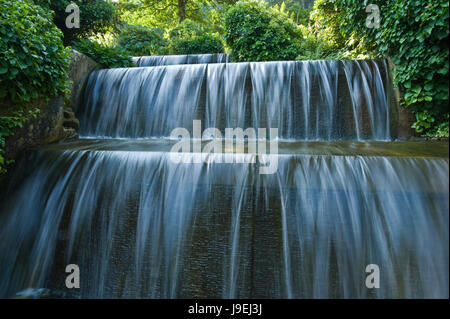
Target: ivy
[{"x": 414, "y": 35}]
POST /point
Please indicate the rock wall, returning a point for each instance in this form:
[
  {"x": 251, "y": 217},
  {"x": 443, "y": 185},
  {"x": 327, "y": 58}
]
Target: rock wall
[
  {"x": 405, "y": 117},
  {"x": 46, "y": 128},
  {"x": 79, "y": 68}
]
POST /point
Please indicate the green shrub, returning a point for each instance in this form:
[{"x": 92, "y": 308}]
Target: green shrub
[
  {"x": 415, "y": 36},
  {"x": 186, "y": 30},
  {"x": 107, "y": 57},
  {"x": 33, "y": 60},
  {"x": 190, "y": 37},
  {"x": 313, "y": 47},
  {"x": 206, "y": 43},
  {"x": 138, "y": 41},
  {"x": 96, "y": 16},
  {"x": 255, "y": 32}
]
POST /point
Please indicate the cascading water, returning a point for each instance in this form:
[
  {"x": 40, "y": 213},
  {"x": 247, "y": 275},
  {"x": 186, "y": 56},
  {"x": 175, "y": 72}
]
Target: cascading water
[
  {"x": 306, "y": 100},
  {"x": 140, "y": 225},
  {"x": 158, "y": 60}
]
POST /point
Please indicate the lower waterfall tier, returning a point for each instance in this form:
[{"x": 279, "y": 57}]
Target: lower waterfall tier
[{"x": 139, "y": 225}]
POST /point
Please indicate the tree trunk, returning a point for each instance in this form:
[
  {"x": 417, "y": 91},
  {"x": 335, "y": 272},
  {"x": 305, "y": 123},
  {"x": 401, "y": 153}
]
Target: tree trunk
[{"x": 181, "y": 10}]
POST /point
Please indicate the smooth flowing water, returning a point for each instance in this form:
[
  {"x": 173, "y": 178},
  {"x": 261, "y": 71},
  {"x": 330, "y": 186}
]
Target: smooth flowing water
[
  {"x": 140, "y": 225},
  {"x": 158, "y": 60},
  {"x": 305, "y": 100}
]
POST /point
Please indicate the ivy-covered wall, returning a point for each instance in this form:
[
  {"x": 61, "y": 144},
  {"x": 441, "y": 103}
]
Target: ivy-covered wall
[{"x": 414, "y": 34}]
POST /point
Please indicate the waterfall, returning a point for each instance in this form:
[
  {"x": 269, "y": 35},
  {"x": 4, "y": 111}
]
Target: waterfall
[
  {"x": 162, "y": 230},
  {"x": 158, "y": 60},
  {"x": 345, "y": 193},
  {"x": 305, "y": 100}
]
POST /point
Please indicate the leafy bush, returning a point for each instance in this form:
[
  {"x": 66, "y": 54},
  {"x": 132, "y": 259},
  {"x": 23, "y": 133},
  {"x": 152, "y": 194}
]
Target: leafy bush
[
  {"x": 187, "y": 29},
  {"x": 206, "y": 43},
  {"x": 415, "y": 36},
  {"x": 255, "y": 32},
  {"x": 96, "y": 16},
  {"x": 190, "y": 37},
  {"x": 138, "y": 41},
  {"x": 33, "y": 60},
  {"x": 107, "y": 57},
  {"x": 313, "y": 47}
]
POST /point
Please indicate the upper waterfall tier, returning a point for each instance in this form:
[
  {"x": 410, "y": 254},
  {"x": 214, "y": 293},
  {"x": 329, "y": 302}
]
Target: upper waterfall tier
[
  {"x": 305, "y": 100},
  {"x": 158, "y": 60}
]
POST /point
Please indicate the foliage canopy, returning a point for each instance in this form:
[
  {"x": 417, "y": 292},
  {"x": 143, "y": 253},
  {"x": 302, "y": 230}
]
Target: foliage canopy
[
  {"x": 96, "y": 16},
  {"x": 168, "y": 13}
]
